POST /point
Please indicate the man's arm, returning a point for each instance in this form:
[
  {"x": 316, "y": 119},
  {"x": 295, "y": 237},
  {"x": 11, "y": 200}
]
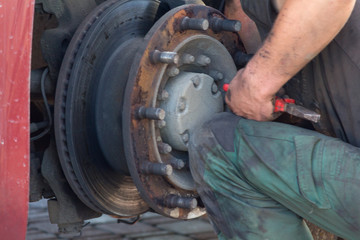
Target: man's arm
[{"x": 303, "y": 28}]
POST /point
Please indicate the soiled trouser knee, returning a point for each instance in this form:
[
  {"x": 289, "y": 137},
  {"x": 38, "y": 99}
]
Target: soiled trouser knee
[{"x": 257, "y": 179}]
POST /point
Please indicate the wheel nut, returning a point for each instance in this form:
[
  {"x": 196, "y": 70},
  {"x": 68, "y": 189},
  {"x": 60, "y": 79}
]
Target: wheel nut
[
  {"x": 164, "y": 57},
  {"x": 203, "y": 60},
  {"x": 194, "y": 24},
  {"x": 214, "y": 88}
]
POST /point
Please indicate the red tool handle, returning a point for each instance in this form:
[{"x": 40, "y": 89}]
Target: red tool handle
[{"x": 280, "y": 104}]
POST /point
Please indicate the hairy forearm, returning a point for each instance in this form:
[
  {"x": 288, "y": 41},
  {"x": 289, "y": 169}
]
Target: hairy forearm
[{"x": 303, "y": 28}]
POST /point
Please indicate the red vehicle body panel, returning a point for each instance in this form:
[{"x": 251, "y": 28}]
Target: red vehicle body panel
[{"x": 16, "y": 21}]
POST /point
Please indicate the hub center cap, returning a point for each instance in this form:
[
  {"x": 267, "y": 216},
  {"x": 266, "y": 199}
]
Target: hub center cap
[{"x": 193, "y": 99}]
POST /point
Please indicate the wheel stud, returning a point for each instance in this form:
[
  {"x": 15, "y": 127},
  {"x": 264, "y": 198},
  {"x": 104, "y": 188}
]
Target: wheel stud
[
  {"x": 164, "y": 57},
  {"x": 161, "y": 169},
  {"x": 163, "y": 95},
  {"x": 194, "y": 24},
  {"x": 218, "y": 25},
  {"x": 173, "y": 71},
  {"x": 177, "y": 163},
  {"x": 151, "y": 113},
  {"x": 173, "y": 201},
  {"x": 217, "y": 76},
  {"x": 187, "y": 58},
  {"x": 203, "y": 60},
  {"x": 164, "y": 148},
  {"x": 161, "y": 124}
]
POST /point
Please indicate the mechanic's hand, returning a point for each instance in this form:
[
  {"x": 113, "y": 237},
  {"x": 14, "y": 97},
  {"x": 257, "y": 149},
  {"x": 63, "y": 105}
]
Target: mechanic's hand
[{"x": 245, "y": 98}]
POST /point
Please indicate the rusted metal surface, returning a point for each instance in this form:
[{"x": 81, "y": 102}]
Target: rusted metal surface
[
  {"x": 142, "y": 91},
  {"x": 15, "y": 48}
]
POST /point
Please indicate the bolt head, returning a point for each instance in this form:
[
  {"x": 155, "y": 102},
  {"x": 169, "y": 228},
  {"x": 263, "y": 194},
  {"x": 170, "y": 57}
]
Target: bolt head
[
  {"x": 196, "y": 81},
  {"x": 182, "y": 106},
  {"x": 214, "y": 88},
  {"x": 219, "y": 76},
  {"x": 185, "y": 137}
]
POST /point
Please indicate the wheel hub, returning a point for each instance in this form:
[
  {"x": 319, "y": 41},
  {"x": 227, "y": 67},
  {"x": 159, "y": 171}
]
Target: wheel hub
[
  {"x": 193, "y": 97},
  {"x": 178, "y": 72}
]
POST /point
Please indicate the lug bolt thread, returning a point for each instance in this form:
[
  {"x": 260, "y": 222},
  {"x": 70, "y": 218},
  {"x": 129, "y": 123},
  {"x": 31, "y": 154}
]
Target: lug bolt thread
[
  {"x": 177, "y": 163},
  {"x": 173, "y": 201},
  {"x": 164, "y": 57},
  {"x": 187, "y": 58},
  {"x": 216, "y": 75},
  {"x": 164, "y": 148},
  {"x": 218, "y": 25},
  {"x": 194, "y": 24},
  {"x": 173, "y": 71},
  {"x": 203, "y": 60},
  {"x": 160, "y": 169},
  {"x": 161, "y": 124},
  {"x": 151, "y": 113},
  {"x": 163, "y": 95}
]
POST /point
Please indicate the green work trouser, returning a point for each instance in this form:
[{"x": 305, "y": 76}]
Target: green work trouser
[{"x": 258, "y": 180}]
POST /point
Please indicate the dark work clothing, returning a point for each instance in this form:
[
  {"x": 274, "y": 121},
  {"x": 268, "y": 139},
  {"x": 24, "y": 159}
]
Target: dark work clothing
[
  {"x": 330, "y": 83},
  {"x": 259, "y": 179}
]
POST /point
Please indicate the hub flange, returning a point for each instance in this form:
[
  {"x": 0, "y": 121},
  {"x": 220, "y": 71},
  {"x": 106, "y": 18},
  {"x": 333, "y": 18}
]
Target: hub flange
[{"x": 179, "y": 47}]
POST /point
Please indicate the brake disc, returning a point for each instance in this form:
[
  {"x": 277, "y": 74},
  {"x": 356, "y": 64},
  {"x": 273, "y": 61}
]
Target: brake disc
[
  {"x": 88, "y": 106},
  {"x": 174, "y": 85}
]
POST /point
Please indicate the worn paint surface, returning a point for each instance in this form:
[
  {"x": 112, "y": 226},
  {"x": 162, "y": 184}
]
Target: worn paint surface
[{"x": 16, "y": 19}]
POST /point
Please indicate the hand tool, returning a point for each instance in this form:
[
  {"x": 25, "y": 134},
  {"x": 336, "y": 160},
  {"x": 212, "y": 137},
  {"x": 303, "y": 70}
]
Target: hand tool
[{"x": 288, "y": 105}]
